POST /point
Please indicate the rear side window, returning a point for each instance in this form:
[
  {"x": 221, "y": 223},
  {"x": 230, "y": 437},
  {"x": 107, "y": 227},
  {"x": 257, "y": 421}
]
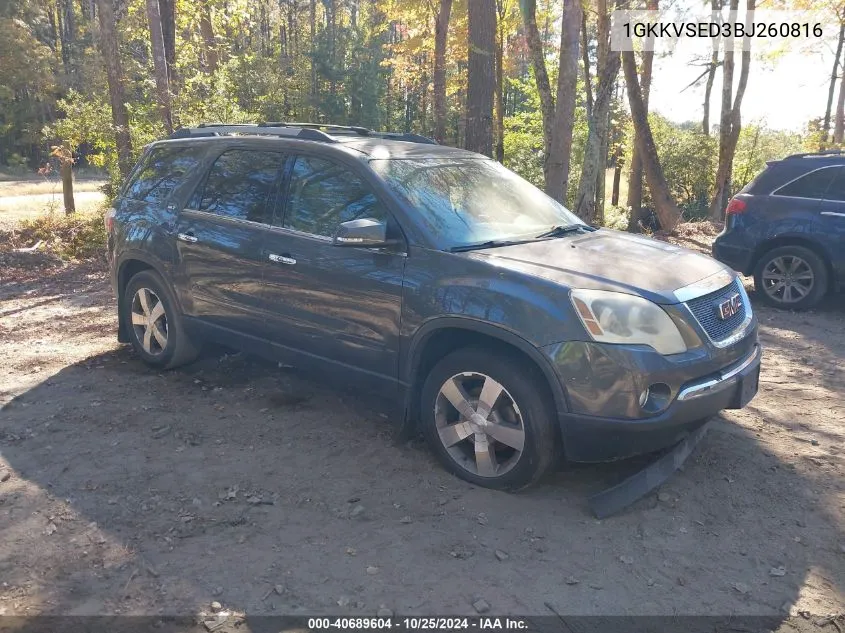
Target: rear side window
[
  {"x": 239, "y": 185},
  {"x": 836, "y": 191},
  {"x": 164, "y": 168},
  {"x": 812, "y": 185}
]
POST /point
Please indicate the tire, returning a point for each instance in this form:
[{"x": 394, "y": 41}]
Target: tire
[
  {"x": 522, "y": 409},
  {"x": 165, "y": 345},
  {"x": 804, "y": 274}
]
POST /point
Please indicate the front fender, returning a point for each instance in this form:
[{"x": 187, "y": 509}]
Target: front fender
[{"x": 412, "y": 355}]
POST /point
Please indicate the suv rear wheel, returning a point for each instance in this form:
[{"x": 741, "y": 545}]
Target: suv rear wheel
[
  {"x": 487, "y": 421},
  {"x": 154, "y": 323},
  {"x": 791, "y": 277}
]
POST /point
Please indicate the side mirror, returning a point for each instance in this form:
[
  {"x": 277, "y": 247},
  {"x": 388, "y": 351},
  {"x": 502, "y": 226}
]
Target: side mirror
[{"x": 365, "y": 232}]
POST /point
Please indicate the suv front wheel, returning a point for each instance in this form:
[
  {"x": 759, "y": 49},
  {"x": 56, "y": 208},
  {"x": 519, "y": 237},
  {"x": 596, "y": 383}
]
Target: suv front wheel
[
  {"x": 791, "y": 277},
  {"x": 487, "y": 420},
  {"x": 154, "y": 323}
]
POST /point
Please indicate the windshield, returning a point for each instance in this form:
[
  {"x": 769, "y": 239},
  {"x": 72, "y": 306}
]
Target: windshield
[{"x": 472, "y": 201}]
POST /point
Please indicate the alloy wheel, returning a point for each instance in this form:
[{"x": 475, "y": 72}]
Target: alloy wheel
[
  {"x": 479, "y": 424},
  {"x": 149, "y": 321},
  {"x": 788, "y": 279}
]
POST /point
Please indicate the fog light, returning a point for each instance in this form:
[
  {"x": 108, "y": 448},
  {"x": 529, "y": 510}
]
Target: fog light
[{"x": 656, "y": 398}]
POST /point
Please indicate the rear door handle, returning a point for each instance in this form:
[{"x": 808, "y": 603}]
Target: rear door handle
[
  {"x": 282, "y": 259},
  {"x": 187, "y": 237}
]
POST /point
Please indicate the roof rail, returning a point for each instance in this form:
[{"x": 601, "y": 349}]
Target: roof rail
[
  {"x": 324, "y": 132},
  {"x": 826, "y": 152},
  {"x": 252, "y": 129},
  {"x": 357, "y": 130}
]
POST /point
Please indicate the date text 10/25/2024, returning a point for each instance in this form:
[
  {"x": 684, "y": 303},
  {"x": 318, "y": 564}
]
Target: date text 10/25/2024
[{"x": 419, "y": 623}]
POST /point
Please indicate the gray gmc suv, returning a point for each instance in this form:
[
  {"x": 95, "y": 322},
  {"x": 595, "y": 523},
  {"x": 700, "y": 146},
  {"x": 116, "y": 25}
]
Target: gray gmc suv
[{"x": 506, "y": 331}]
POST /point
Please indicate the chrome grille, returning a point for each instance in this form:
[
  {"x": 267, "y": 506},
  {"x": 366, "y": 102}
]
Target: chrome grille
[{"x": 706, "y": 310}]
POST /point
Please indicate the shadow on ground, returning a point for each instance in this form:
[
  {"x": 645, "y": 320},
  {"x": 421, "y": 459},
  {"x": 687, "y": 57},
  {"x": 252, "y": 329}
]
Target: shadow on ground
[{"x": 232, "y": 480}]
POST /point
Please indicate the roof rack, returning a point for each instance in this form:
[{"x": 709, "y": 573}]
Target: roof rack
[
  {"x": 253, "y": 129},
  {"x": 826, "y": 152},
  {"x": 338, "y": 130},
  {"x": 324, "y": 132}
]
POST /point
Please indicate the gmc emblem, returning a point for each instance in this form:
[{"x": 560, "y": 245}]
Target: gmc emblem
[{"x": 728, "y": 308}]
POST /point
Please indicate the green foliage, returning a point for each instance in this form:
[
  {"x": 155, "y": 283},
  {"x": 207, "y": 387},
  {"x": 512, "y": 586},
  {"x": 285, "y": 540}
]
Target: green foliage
[
  {"x": 756, "y": 145},
  {"x": 71, "y": 237},
  {"x": 524, "y": 143},
  {"x": 616, "y": 217},
  {"x": 689, "y": 159},
  {"x": 26, "y": 80},
  {"x": 524, "y": 137},
  {"x": 366, "y": 62}
]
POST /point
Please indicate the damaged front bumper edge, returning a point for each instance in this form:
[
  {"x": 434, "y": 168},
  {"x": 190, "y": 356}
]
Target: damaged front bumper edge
[{"x": 623, "y": 494}]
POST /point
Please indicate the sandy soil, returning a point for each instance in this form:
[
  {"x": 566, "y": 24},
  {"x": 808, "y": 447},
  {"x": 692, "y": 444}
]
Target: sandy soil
[{"x": 128, "y": 491}]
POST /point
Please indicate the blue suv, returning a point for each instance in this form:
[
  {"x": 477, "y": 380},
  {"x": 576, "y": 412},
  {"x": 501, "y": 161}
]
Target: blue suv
[
  {"x": 787, "y": 228},
  {"x": 502, "y": 327}
]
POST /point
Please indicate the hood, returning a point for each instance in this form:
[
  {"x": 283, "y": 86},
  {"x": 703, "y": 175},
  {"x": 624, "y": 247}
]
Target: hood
[{"x": 610, "y": 260}]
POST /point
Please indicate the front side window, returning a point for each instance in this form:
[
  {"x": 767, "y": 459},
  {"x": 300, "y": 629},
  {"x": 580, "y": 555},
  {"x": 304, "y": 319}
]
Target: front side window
[
  {"x": 163, "y": 170},
  {"x": 465, "y": 201},
  {"x": 812, "y": 185},
  {"x": 240, "y": 185},
  {"x": 323, "y": 194}
]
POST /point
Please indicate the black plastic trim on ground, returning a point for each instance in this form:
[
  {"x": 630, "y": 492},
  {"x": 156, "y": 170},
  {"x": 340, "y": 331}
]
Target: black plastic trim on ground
[{"x": 638, "y": 485}]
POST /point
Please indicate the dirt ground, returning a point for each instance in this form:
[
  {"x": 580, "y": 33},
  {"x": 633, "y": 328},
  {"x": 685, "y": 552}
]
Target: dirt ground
[{"x": 128, "y": 491}]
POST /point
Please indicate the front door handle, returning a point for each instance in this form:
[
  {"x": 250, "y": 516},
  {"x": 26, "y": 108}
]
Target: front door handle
[
  {"x": 282, "y": 259},
  {"x": 187, "y": 237}
]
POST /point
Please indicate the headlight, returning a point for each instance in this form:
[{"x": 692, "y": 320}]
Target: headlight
[{"x": 614, "y": 317}]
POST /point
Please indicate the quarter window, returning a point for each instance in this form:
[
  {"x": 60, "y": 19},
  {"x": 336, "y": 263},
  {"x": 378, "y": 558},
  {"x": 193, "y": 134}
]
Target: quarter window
[
  {"x": 323, "y": 194},
  {"x": 240, "y": 184},
  {"x": 812, "y": 185},
  {"x": 836, "y": 191},
  {"x": 163, "y": 170}
]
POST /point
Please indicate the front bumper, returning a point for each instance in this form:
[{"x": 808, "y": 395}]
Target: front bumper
[{"x": 606, "y": 422}]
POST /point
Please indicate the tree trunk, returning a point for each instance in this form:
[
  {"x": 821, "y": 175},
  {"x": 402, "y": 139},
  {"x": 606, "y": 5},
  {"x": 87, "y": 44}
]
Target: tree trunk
[
  {"x": 66, "y": 169},
  {"x": 733, "y": 121},
  {"x": 312, "y": 18},
  {"x": 716, "y": 5},
  {"x": 617, "y": 176},
  {"x": 601, "y": 172},
  {"x": 635, "y": 178},
  {"x": 69, "y": 38},
  {"x": 168, "y": 32},
  {"x": 209, "y": 44},
  {"x": 728, "y": 65},
  {"x": 558, "y": 161},
  {"x": 585, "y": 201},
  {"x": 832, "y": 87},
  {"x": 839, "y": 125},
  {"x": 667, "y": 211},
  {"x": 441, "y": 33},
  {"x": 481, "y": 77},
  {"x": 541, "y": 76},
  {"x": 117, "y": 93},
  {"x": 160, "y": 64},
  {"x": 607, "y": 70},
  {"x": 585, "y": 53},
  {"x": 498, "y": 102}
]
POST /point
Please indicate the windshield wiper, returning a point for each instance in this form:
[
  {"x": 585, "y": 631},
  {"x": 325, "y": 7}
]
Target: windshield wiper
[
  {"x": 559, "y": 231},
  {"x": 487, "y": 244}
]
